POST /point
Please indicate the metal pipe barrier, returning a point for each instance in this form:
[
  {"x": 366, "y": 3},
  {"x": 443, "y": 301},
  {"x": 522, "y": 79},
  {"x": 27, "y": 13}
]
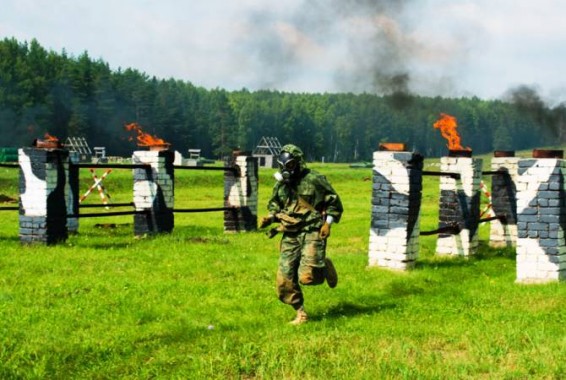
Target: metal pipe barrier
[
  {"x": 211, "y": 209},
  {"x": 99, "y": 214},
  {"x": 112, "y": 166},
  {"x": 107, "y": 205},
  {"x": 441, "y": 174},
  {"x": 225, "y": 169},
  {"x": 502, "y": 219},
  {"x": 452, "y": 229}
]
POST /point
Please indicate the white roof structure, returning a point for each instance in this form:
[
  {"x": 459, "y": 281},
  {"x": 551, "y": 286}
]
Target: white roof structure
[
  {"x": 78, "y": 144},
  {"x": 267, "y": 146},
  {"x": 194, "y": 154}
]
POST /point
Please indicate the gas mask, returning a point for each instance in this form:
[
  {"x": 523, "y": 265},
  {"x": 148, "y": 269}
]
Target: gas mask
[{"x": 288, "y": 167}]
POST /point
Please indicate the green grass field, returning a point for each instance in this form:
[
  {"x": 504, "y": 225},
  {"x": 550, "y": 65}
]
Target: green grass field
[{"x": 201, "y": 304}]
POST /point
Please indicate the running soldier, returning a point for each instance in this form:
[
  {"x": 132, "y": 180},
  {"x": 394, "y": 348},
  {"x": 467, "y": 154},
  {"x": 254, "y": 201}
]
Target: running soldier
[{"x": 305, "y": 205}]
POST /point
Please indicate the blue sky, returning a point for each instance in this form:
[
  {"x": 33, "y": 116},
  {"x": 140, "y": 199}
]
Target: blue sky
[{"x": 437, "y": 47}]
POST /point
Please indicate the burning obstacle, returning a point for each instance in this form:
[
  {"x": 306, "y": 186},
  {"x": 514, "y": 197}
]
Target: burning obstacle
[
  {"x": 527, "y": 197},
  {"x": 459, "y": 203},
  {"x": 49, "y": 199}
]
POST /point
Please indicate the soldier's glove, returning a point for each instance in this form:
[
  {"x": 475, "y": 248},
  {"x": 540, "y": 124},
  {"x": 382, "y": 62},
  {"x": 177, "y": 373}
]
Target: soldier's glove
[
  {"x": 324, "y": 231},
  {"x": 272, "y": 233},
  {"x": 266, "y": 221}
]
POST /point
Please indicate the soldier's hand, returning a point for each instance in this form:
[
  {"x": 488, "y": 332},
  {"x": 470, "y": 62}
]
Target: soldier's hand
[
  {"x": 324, "y": 231},
  {"x": 265, "y": 221}
]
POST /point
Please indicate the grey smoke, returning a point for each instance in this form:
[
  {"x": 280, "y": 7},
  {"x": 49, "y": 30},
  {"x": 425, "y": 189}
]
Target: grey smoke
[
  {"x": 365, "y": 46},
  {"x": 528, "y": 101},
  {"x": 372, "y": 34}
]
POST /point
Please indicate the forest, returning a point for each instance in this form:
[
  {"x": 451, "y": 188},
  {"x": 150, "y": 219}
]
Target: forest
[{"x": 43, "y": 91}]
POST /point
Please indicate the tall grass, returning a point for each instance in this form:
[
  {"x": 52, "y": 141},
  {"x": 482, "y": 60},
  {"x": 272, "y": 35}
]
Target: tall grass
[{"x": 200, "y": 304}]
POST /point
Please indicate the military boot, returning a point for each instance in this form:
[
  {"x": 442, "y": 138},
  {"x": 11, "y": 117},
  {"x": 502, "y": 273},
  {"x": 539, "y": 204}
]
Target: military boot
[
  {"x": 301, "y": 317},
  {"x": 331, "y": 275}
]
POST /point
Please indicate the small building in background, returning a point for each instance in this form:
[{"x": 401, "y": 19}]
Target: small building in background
[
  {"x": 267, "y": 151},
  {"x": 99, "y": 155},
  {"x": 194, "y": 158}
]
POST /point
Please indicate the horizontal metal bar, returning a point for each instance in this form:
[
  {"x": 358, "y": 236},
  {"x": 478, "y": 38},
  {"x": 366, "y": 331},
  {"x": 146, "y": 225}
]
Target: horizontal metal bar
[
  {"x": 108, "y": 205},
  {"x": 2, "y": 165},
  {"x": 100, "y": 214},
  {"x": 503, "y": 219},
  {"x": 498, "y": 172},
  {"x": 232, "y": 169},
  {"x": 9, "y": 208},
  {"x": 145, "y": 166},
  {"x": 112, "y": 166},
  {"x": 442, "y": 174},
  {"x": 206, "y": 209},
  {"x": 443, "y": 230}
]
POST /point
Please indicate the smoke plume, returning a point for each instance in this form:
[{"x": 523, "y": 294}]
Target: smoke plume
[
  {"x": 363, "y": 45},
  {"x": 528, "y": 102}
]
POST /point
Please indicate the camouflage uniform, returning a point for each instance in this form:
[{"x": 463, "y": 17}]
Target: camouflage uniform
[{"x": 301, "y": 206}]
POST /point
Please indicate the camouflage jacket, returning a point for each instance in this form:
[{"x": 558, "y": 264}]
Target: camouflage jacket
[{"x": 302, "y": 204}]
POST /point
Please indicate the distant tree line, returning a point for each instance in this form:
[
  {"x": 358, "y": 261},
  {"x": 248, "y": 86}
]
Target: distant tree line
[{"x": 44, "y": 91}]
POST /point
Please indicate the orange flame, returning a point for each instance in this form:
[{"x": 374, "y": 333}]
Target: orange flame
[
  {"x": 447, "y": 125},
  {"x": 48, "y": 137},
  {"x": 144, "y": 139}
]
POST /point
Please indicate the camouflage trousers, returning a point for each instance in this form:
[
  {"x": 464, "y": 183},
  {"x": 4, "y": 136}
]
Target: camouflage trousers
[{"x": 301, "y": 262}]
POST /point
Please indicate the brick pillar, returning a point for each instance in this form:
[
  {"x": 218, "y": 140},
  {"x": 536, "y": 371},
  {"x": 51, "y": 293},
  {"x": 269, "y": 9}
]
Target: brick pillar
[
  {"x": 459, "y": 205},
  {"x": 72, "y": 192},
  {"x": 396, "y": 203},
  {"x": 503, "y": 233},
  {"x": 154, "y": 191},
  {"x": 43, "y": 209},
  {"x": 241, "y": 190},
  {"x": 541, "y": 220}
]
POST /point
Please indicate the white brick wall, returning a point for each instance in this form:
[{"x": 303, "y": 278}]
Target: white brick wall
[
  {"x": 396, "y": 179},
  {"x": 465, "y": 242},
  {"x": 241, "y": 191},
  {"x": 145, "y": 189},
  {"x": 504, "y": 234},
  {"x": 541, "y": 219}
]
